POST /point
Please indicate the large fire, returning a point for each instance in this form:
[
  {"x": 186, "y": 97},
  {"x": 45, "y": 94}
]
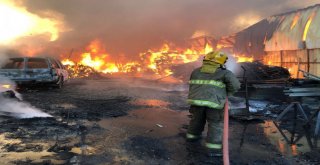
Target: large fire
[
  {"x": 16, "y": 22},
  {"x": 160, "y": 60},
  {"x": 157, "y": 61}
]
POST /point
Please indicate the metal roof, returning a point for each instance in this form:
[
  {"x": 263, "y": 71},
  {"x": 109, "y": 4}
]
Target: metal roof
[{"x": 279, "y": 32}]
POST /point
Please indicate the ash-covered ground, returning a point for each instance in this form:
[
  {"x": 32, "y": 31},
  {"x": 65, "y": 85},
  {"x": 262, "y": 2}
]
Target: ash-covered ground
[{"x": 131, "y": 121}]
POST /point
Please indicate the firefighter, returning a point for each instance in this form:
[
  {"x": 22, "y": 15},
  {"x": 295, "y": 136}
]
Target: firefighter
[{"x": 209, "y": 86}]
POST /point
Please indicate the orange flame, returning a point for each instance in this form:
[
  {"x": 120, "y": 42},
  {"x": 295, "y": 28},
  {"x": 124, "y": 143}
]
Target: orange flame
[
  {"x": 111, "y": 68},
  {"x": 220, "y": 46},
  {"x": 67, "y": 62},
  {"x": 159, "y": 61},
  {"x": 207, "y": 49},
  {"x": 26, "y": 23},
  {"x": 156, "y": 61},
  {"x": 95, "y": 63},
  {"x": 242, "y": 58}
]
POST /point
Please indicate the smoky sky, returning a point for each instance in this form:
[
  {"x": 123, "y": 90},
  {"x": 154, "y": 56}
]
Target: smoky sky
[{"x": 131, "y": 26}]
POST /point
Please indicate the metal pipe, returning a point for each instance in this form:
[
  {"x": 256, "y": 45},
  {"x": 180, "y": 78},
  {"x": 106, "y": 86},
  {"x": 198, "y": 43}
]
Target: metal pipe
[{"x": 294, "y": 123}]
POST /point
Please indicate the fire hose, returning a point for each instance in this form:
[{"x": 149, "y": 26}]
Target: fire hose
[{"x": 225, "y": 142}]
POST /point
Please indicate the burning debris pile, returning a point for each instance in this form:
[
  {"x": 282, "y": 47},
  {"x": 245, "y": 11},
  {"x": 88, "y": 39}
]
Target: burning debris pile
[
  {"x": 96, "y": 60},
  {"x": 161, "y": 62},
  {"x": 81, "y": 71}
]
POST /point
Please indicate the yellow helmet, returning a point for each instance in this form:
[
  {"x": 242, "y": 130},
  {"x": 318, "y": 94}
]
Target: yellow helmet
[{"x": 216, "y": 56}]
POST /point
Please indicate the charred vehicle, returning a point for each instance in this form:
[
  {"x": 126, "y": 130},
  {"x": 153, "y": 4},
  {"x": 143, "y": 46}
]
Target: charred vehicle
[{"x": 35, "y": 70}]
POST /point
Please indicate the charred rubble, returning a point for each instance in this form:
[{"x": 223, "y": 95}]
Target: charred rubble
[{"x": 82, "y": 71}]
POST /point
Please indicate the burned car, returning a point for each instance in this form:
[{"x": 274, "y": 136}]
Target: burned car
[{"x": 35, "y": 70}]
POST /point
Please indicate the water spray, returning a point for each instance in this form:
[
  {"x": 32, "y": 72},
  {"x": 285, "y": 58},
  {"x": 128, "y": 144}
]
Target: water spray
[{"x": 12, "y": 103}]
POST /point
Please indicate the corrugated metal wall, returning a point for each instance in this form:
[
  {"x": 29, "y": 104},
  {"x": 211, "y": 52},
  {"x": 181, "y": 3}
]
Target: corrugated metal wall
[
  {"x": 279, "y": 40},
  {"x": 290, "y": 31},
  {"x": 309, "y": 60},
  {"x": 287, "y": 46},
  {"x": 315, "y": 61}
]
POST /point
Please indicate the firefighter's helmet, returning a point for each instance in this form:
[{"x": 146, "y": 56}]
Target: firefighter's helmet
[{"x": 216, "y": 56}]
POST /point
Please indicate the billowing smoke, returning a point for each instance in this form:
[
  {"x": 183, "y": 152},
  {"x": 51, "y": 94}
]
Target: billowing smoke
[
  {"x": 19, "y": 109},
  {"x": 15, "y": 107},
  {"x": 130, "y": 27},
  {"x": 233, "y": 65}
]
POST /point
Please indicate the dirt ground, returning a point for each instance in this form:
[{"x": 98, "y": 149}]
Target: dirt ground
[{"x": 131, "y": 121}]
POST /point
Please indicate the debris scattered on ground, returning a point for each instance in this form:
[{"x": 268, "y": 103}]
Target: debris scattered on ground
[
  {"x": 82, "y": 71},
  {"x": 20, "y": 147},
  {"x": 258, "y": 71},
  {"x": 76, "y": 135}
]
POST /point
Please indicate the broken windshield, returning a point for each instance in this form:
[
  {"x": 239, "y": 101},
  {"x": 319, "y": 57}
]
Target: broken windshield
[
  {"x": 37, "y": 63},
  {"x": 14, "y": 63}
]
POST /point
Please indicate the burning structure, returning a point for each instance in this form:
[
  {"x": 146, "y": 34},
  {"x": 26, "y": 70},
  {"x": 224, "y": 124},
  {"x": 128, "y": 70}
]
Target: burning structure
[
  {"x": 129, "y": 119},
  {"x": 284, "y": 40}
]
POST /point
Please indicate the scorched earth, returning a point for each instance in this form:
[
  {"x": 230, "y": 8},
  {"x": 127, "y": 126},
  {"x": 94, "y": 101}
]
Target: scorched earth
[{"x": 128, "y": 121}]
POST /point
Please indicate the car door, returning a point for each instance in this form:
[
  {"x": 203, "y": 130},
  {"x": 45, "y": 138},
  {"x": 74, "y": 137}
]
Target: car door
[
  {"x": 65, "y": 71},
  {"x": 62, "y": 70}
]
